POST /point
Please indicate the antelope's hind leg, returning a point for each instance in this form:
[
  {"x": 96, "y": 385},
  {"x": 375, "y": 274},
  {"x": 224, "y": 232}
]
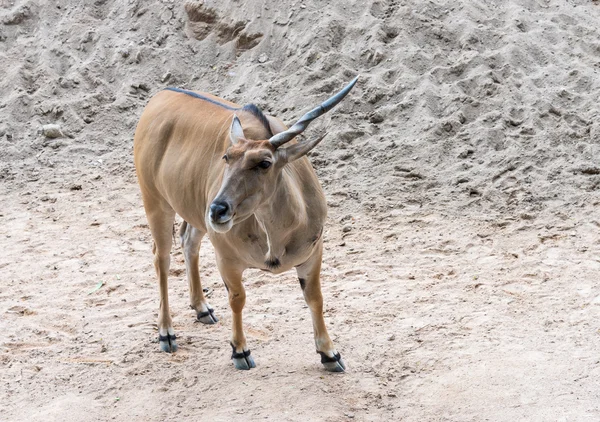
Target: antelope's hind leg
[
  {"x": 310, "y": 283},
  {"x": 160, "y": 220},
  {"x": 190, "y": 242}
]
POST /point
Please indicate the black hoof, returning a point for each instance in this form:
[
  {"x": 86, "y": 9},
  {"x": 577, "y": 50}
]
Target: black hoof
[
  {"x": 167, "y": 343},
  {"x": 207, "y": 317},
  {"x": 242, "y": 360},
  {"x": 332, "y": 364}
]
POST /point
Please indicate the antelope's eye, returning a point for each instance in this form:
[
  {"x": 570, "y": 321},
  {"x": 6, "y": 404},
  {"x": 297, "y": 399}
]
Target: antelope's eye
[
  {"x": 225, "y": 157},
  {"x": 264, "y": 164}
]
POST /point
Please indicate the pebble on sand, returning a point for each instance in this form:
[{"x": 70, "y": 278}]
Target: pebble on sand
[
  {"x": 52, "y": 131},
  {"x": 165, "y": 77}
]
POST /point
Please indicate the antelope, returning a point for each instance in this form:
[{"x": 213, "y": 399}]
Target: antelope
[{"x": 223, "y": 169}]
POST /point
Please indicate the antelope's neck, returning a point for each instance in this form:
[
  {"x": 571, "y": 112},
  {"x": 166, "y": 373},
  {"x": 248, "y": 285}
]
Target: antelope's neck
[{"x": 283, "y": 217}]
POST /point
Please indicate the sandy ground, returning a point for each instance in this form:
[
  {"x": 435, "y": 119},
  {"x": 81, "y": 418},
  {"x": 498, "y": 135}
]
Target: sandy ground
[{"x": 464, "y": 165}]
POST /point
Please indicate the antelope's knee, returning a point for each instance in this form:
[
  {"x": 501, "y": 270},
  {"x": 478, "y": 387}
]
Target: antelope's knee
[
  {"x": 162, "y": 260},
  {"x": 237, "y": 300}
]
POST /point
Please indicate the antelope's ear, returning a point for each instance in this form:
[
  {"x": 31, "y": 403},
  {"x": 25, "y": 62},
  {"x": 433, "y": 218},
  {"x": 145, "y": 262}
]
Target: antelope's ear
[
  {"x": 300, "y": 149},
  {"x": 236, "y": 133}
]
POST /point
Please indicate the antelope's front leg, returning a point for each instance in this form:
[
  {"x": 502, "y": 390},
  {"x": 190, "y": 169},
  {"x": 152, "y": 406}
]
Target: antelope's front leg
[
  {"x": 161, "y": 224},
  {"x": 309, "y": 276},
  {"x": 237, "y": 299}
]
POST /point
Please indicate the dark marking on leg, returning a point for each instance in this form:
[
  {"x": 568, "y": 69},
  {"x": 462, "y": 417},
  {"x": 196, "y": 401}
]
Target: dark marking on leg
[
  {"x": 273, "y": 263},
  {"x": 242, "y": 360},
  {"x": 332, "y": 364},
  {"x": 326, "y": 359},
  {"x": 167, "y": 343},
  {"x": 167, "y": 337},
  {"x": 207, "y": 317},
  {"x": 236, "y": 355},
  {"x": 302, "y": 283}
]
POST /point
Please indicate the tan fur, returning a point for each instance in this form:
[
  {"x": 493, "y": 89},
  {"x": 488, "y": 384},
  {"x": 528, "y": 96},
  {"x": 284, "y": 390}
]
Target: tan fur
[{"x": 178, "y": 148}]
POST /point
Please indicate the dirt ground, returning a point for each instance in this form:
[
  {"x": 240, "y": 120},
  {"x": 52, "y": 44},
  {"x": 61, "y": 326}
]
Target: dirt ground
[{"x": 462, "y": 249}]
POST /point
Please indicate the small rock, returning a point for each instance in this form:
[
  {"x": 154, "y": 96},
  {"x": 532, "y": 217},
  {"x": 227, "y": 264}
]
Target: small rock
[
  {"x": 346, "y": 229},
  {"x": 87, "y": 37},
  {"x": 166, "y": 16},
  {"x": 52, "y": 131},
  {"x": 263, "y": 58},
  {"x": 75, "y": 187},
  {"x": 375, "y": 118},
  {"x": 347, "y": 217},
  {"x": 47, "y": 198},
  {"x": 124, "y": 53},
  {"x": 17, "y": 16},
  {"x": 165, "y": 77},
  {"x": 467, "y": 153},
  {"x": 392, "y": 337},
  {"x": 65, "y": 82}
]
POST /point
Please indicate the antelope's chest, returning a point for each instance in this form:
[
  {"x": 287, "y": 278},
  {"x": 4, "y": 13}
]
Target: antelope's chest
[{"x": 257, "y": 250}]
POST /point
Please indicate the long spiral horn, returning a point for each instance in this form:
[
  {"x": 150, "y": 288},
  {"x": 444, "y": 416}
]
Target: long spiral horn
[{"x": 300, "y": 125}]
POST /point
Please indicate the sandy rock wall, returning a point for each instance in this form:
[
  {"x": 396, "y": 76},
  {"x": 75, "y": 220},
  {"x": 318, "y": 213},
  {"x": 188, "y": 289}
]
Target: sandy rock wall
[{"x": 479, "y": 105}]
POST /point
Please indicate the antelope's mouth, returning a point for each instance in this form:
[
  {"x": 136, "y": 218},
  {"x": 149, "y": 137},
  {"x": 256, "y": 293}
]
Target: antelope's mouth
[
  {"x": 224, "y": 223},
  {"x": 222, "y": 226}
]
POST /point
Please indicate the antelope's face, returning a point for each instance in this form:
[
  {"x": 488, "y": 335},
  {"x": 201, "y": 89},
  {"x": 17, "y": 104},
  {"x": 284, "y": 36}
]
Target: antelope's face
[
  {"x": 249, "y": 180},
  {"x": 253, "y": 167}
]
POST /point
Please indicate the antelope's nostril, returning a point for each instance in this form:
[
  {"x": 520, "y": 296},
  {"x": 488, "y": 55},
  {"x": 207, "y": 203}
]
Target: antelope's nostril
[{"x": 219, "y": 211}]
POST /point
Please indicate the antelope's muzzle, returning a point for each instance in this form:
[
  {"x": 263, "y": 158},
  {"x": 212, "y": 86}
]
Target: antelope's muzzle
[{"x": 220, "y": 212}]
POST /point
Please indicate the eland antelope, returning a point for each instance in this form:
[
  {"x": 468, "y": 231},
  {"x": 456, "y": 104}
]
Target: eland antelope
[{"x": 224, "y": 169}]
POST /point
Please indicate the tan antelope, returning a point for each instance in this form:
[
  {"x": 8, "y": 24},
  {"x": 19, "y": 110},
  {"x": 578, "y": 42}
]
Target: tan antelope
[{"x": 224, "y": 170}]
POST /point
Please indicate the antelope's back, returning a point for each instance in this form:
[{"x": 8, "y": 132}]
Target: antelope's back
[
  {"x": 173, "y": 123},
  {"x": 177, "y": 130}
]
